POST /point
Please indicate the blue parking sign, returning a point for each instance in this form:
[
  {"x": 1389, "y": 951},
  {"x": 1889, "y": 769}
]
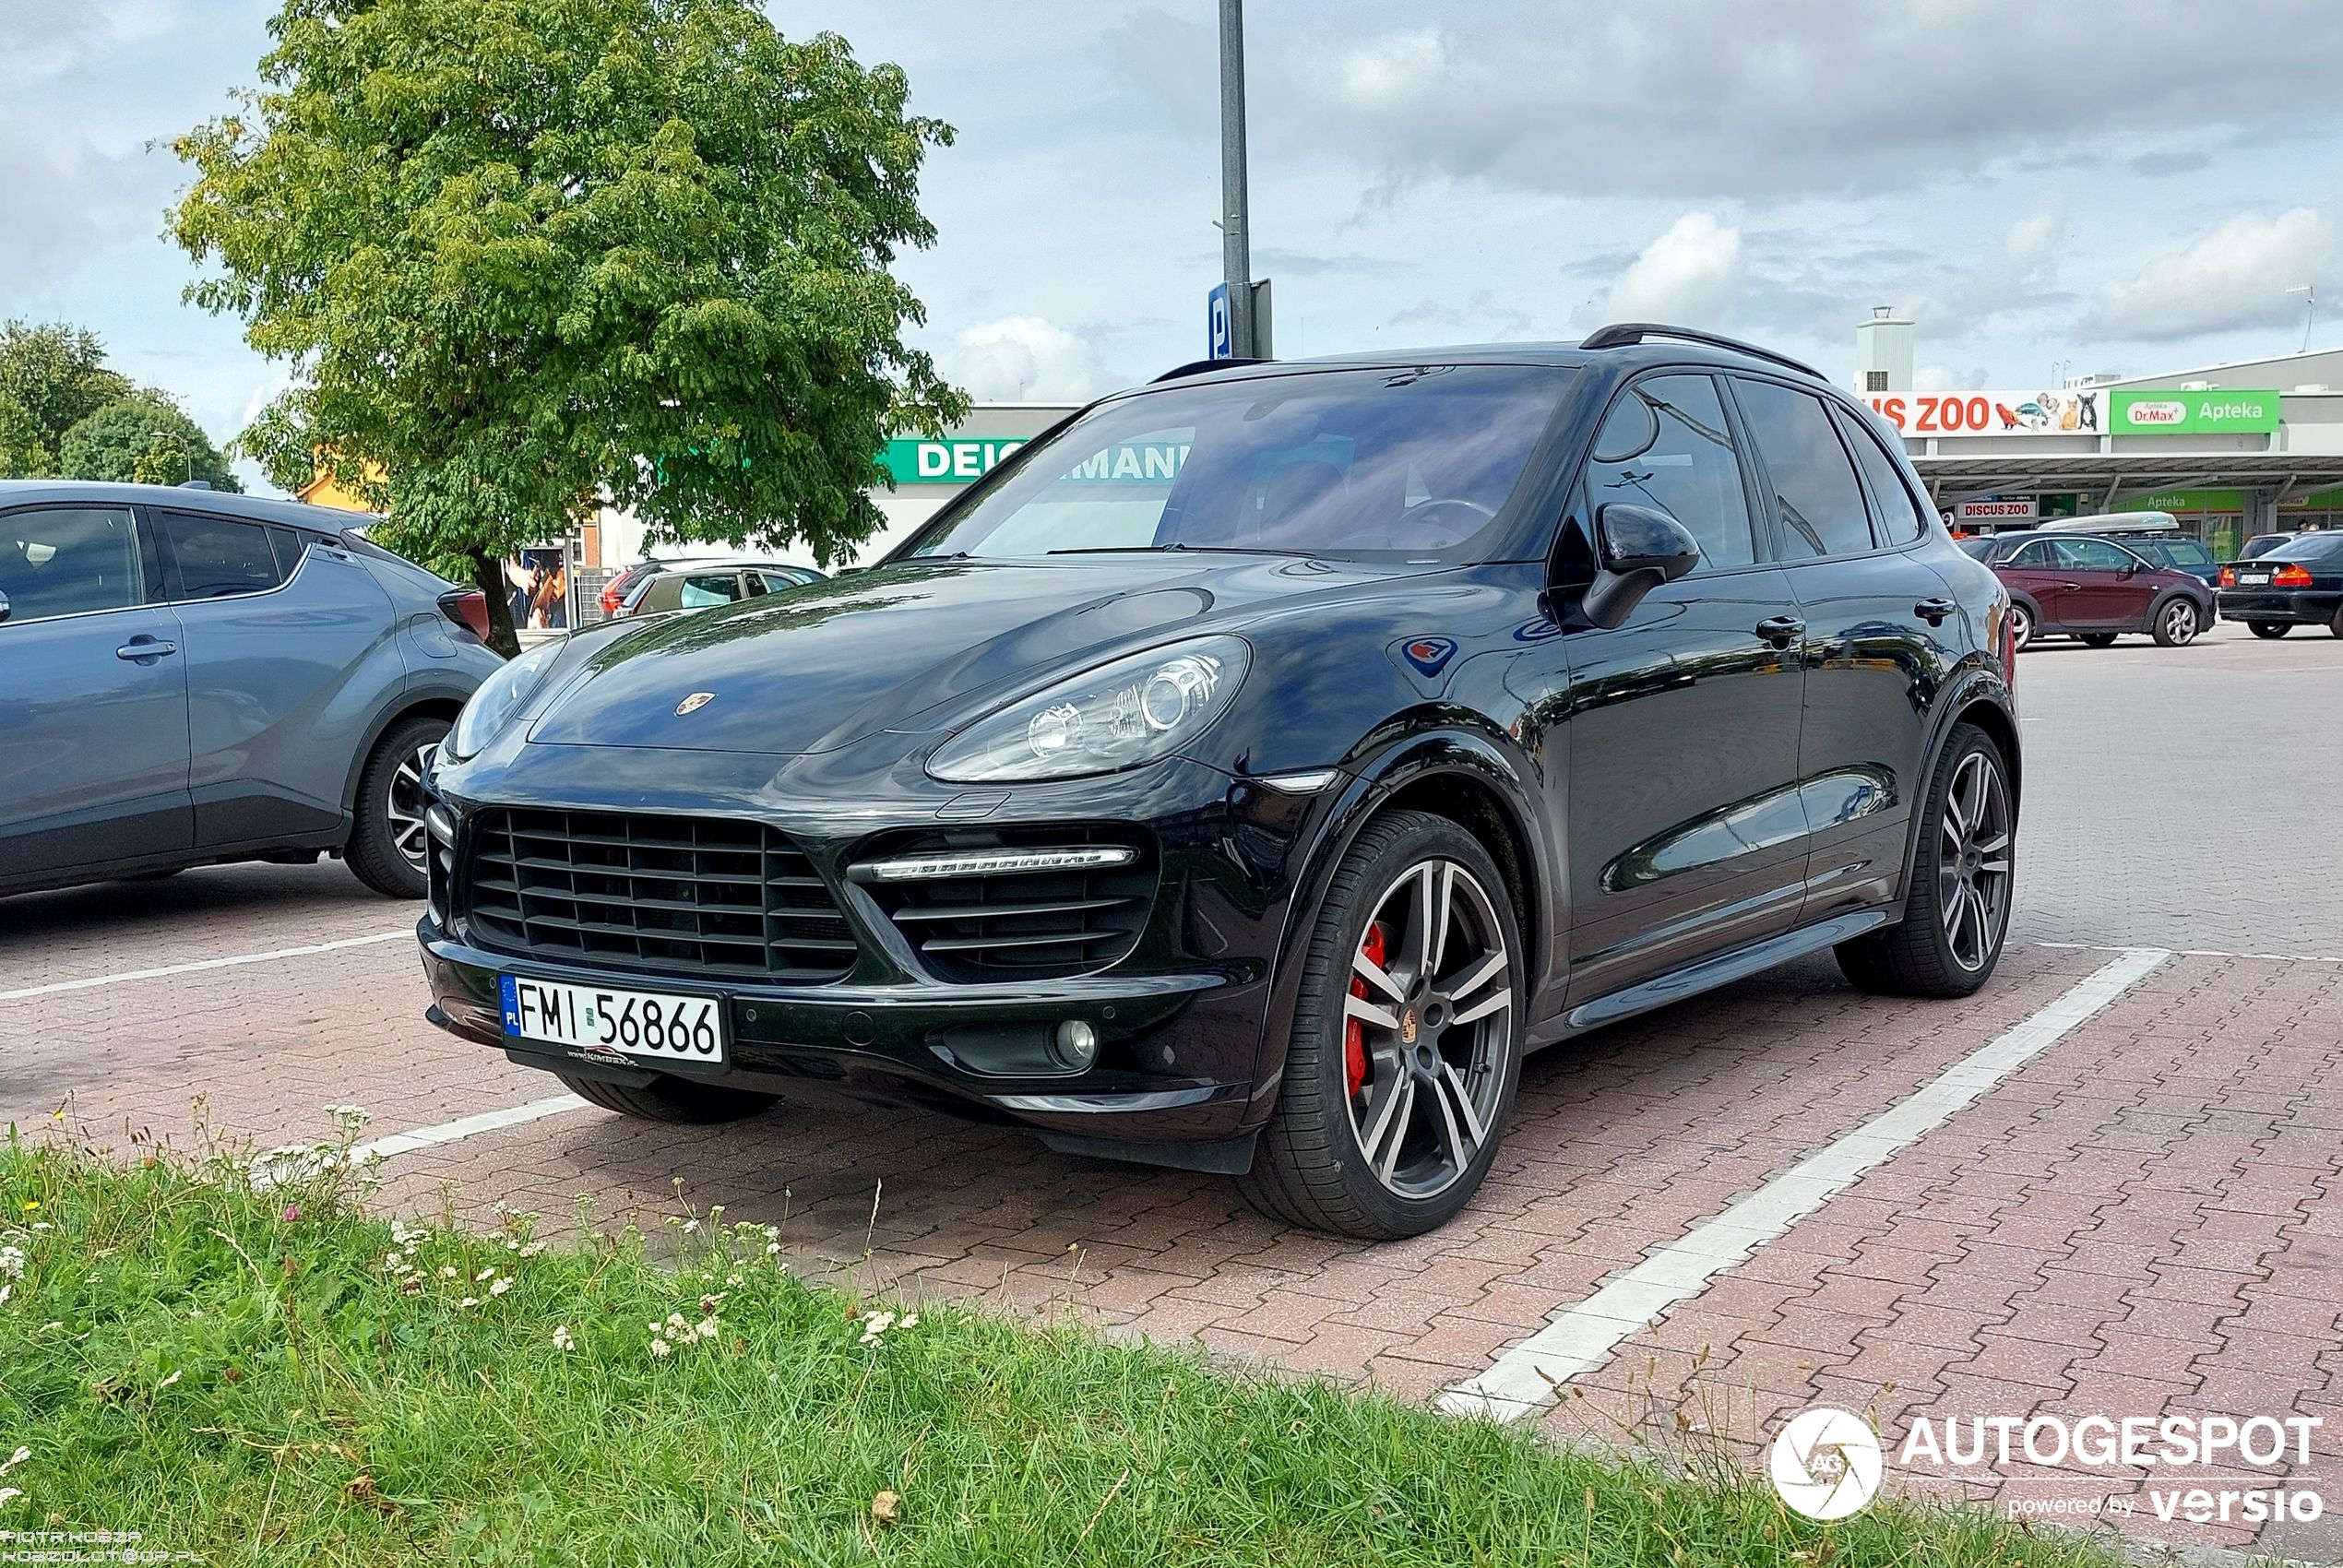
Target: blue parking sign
[{"x": 1216, "y": 323}]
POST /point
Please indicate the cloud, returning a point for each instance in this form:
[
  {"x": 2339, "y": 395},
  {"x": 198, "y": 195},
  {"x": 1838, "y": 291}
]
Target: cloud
[
  {"x": 2233, "y": 276},
  {"x": 1727, "y": 97},
  {"x": 1023, "y": 359},
  {"x": 61, "y": 199},
  {"x": 1687, "y": 276}
]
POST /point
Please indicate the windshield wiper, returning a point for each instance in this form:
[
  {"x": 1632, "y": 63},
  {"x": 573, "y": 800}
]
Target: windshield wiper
[{"x": 1183, "y": 549}]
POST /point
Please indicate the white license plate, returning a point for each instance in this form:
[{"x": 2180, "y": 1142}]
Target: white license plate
[
  {"x": 2252, "y": 579},
  {"x": 656, "y": 1024}
]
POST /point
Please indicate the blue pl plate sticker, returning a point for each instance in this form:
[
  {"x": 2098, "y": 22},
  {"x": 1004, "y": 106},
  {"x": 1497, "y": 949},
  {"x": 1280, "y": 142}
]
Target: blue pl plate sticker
[
  {"x": 1429, "y": 654},
  {"x": 511, "y": 989}
]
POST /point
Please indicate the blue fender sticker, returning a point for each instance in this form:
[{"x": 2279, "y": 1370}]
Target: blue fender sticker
[{"x": 1429, "y": 654}]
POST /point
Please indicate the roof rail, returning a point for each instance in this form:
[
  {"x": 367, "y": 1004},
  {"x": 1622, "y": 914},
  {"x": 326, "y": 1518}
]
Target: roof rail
[
  {"x": 1197, "y": 367},
  {"x": 1627, "y": 334}
]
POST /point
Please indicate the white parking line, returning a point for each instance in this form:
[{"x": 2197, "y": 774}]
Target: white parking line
[
  {"x": 125, "y": 976},
  {"x": 465, "y": 1126},
  {"x": 2197, "y": 951},
  {"x": 1527, "y": 1377}
]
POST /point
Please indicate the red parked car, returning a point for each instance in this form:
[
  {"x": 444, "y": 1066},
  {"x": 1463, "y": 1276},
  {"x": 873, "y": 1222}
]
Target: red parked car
[{"x": 2082, "y": 585}]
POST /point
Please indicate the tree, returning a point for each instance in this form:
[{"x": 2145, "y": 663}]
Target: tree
[
  {"x": 528, "y": 256},
  {"x": 143, "y": 439},
  {"x": 52, "y": 377}
]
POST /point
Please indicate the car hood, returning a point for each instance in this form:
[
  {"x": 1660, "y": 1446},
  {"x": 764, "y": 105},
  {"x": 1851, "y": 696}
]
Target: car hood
[{"x": 817, "y": 667}]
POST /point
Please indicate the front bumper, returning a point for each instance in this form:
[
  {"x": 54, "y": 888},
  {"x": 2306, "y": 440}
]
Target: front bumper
[{"x": 1180, "y": 1018}]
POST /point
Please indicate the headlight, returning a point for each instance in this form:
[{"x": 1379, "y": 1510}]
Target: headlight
[
  {"x": 499, "y": 697},
  {"x": 1117, "y": 715}
]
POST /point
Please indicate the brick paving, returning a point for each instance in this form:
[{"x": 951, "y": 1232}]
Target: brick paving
[{"x": 2142, "y": 1221}]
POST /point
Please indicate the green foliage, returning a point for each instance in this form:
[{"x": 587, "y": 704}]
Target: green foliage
[
  {"x": 272, "y": 1376},
  {"x": 52, "y": 377},
  {"x": 528, "y": 255},
  {"x": 142, "y": 439}
]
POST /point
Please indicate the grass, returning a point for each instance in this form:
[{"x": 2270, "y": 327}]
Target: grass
[{"x": 267, "y": 1372}]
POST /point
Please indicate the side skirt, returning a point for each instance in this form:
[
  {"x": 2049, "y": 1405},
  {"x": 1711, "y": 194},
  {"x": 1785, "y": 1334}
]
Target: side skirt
[{"x": 1706, "y": 975}]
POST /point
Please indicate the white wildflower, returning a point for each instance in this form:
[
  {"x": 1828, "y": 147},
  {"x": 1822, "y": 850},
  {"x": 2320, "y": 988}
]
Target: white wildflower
[
  {"x": 484, "y": 1276},
  {"x": 690, "y": 1226},
  {"x": 12, "y": 1261},
  {"x": 772, "y": 1248},
  {"x": 469, "y": 1301},
  {"x": 875, "y": 1325},
  {"x": 6, "y": 1291},
  {"x": 9, "y": 1494},
  {"x": 910, "y": 1320},
  {"x": 19, "y": 1457},
  {"x": 660, "y": 1346},
  {"x": 43, "y": 1225},
  {"x": 446, "y": 1271},
  {"x": 562, "y": 1341},
  {"x": 704, "y": 1328},
  {"x": 501, "y": 1286},
  {"x": 532, "y": 1248},
  {"x": 166, "y": 1382}
]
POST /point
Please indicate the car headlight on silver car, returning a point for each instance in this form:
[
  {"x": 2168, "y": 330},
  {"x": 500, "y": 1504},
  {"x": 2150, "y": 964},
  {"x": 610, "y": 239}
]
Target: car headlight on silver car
[
  {"x": 1134, "y": 710},
  {"x": 499, "y": 697}
]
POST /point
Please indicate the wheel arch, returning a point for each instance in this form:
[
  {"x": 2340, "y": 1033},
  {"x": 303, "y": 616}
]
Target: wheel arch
[
  {"x": 1977, "y": 697},
  {"x": 436, "y": 704},
  {"x": 1461, "y": 775}
]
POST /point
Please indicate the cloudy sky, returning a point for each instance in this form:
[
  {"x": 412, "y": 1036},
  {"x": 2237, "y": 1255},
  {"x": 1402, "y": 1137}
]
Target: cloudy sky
[{"x": 2041, "y": 186}]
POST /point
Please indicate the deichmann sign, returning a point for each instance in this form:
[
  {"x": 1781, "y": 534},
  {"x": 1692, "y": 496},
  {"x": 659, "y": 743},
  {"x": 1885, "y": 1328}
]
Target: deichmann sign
[
  {"x": 2218, "y": 413},
  {"x": 968, "y": 459},
  {"x": 1992, "y": 413}
]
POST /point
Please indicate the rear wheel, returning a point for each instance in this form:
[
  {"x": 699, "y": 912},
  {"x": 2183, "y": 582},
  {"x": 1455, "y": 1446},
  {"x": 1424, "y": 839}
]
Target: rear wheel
[
  {"x": 1406, "y": 1038},
  {"x": 388, "y": 841},
  {"x": 2098, "y": 639},
  {"x": 2271, "y": 628},
  {"x": 1956, "y": 909},
  {"x": 2335, "y": 625},
  {"x": 668, "y": 1099},
  {"x": 2176, "y": 623},
  {"x": 2021, "y": 627}
]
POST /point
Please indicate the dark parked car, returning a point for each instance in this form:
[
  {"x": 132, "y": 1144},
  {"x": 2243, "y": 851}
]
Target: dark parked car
[
  {"x": 2263, "y": 544},
  {"x": 1245, "y": 776},
  {"x": 2094, "y": 588},
  {"x": 2299, "y": 584},
  {"x": 703, "y": 585},
  {"x": 188, "y": 677}
]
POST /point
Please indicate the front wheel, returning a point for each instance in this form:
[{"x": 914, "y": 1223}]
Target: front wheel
[
  {"x": 1406, "y": 1038},
  {"x": 2176, "y": 624},
  {"x": 388, "y": 839},
  {"x": 1957, "y": 907},
  {"x": 2270, "y": 628}
]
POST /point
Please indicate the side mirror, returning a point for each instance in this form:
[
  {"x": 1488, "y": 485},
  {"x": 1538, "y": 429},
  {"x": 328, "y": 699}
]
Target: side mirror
[{"x": 1639, "y": 549}]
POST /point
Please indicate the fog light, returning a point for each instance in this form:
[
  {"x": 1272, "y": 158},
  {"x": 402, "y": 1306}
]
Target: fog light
[{"x": 1076, "y": 1044}]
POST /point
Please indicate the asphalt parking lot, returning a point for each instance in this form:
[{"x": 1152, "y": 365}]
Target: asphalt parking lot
[{"x": 2108, "y": 1184}]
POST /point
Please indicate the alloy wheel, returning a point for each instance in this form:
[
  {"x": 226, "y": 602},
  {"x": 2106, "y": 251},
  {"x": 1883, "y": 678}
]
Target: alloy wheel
[
  {"x": 1973, "y": 862},
  {"x": 1426, "y": 1027},
  {"x": 404, "y": 809},
  {"x": 2180, "y": 621},
  {"x": 2021, "y": 627}
]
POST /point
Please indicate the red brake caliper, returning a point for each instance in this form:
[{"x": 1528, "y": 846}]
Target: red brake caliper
[{"x": 1354, "y": 1034}]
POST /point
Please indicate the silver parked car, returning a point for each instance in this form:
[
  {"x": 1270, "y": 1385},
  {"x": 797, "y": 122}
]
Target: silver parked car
[
  {"x": 702, "y": 583},
  {"x": 189, "y": 677}
]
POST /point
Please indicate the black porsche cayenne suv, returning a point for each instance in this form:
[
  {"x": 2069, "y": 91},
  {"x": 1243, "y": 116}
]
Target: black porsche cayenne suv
[{"x": 1245, "y": 775}]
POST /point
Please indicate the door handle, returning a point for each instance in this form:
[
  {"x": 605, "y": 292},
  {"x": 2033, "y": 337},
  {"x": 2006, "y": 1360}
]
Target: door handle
[
  {"x": 2070, "y": 587},
  {"x": 145, "y": 647},
  {"x": 1781, "y": 630},
  {"x": 1933, "y": 611}
]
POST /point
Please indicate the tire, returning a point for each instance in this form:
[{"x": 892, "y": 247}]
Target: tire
[
  {"x": 2098, "y": 639},
  {"x": 1442, "y": 1064},
  {"x": 2176, "y": 621},
  {"x": 1927, "y": 953},
  {"x": 2270, "y": 628},
  {"x": 2335, "y": 623},
  {"x": 2021, "y": 625},
  {"x": 687, "y": 1101},
  {"x": 386, "y": 839},
  {"x": 151, "y": 876}
]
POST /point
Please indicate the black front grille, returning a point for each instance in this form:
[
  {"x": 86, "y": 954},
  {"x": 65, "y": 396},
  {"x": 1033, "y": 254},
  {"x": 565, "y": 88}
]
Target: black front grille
[
  {"x": 1018, "y": 925},
  {"x": 666, "y": 894}
]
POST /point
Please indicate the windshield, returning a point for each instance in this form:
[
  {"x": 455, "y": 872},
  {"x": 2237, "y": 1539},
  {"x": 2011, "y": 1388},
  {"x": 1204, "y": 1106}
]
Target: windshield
[
  {"x": 1405, "y": 463},
  {"x": 2309, "y": 547}
]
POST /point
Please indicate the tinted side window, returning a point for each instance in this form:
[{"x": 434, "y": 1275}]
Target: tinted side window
[
  {"x": 701, "y": 590},
  {"x": 2186, "y": 554},
  {"x": 2310, "y": 547},
  {"x": 1665, "y": 445},
  {"x": 2036, "y": 554},
  {"x": 1822, "y": 505},
  {"x": 1896, "y": 518},
  {"x": 218, "y": 556},
  {"x": 67, "y": 561}
]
